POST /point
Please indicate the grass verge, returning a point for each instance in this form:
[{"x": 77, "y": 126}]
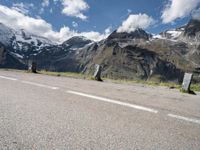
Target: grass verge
[
  {"x": 67, "y": 74},
  {"x": 171, "y": 85}
]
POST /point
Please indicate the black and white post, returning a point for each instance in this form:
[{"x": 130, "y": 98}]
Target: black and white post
[
  {"x": 187, "y": 82},
  {"x": 97, "y": 74},
  {"x": 32, "y": 67}
]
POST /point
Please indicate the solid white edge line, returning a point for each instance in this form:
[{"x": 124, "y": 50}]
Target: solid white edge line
[
  {"x": 40, "y": 85},
  {"x": 114, "y": 102},
  {"x": 8, "y": 78},
  {"x": 184, "y": 118}
]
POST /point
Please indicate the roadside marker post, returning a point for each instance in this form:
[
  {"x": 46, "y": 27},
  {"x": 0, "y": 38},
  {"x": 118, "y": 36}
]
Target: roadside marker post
[
  {"x": 32, "y": 66},
  {"x": 187, "y": 82},
  {"x": 97, "y": 74}
]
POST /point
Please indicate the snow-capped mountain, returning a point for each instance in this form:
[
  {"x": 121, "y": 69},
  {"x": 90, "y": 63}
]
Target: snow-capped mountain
[
  {"x": 189, "y": 33},
  {"x": 9, "y": 35},
  {"x": 76, "y": 43},
  {"x": 6, "y": 34},
  {"x": 123, "y": 55},
  {"x": 21, "y": 42},
  {"x": 22, "y": 36},
  {"x": 172, "y": 34}
]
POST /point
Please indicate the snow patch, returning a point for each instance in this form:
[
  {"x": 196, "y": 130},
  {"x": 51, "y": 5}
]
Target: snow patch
[
  {"x": 174, "y": 34},
  {"x": 17, "y": 55},
  {"x": 158, "y": 36},
  {"x": 6, "y": 34}
]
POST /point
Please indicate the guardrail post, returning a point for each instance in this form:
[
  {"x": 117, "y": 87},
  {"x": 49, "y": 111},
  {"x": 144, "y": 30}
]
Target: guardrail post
[
  {"x": 187, "y": 82},
  {"x": 32, "y": 67},
  {"x": 97, "y": 74}
]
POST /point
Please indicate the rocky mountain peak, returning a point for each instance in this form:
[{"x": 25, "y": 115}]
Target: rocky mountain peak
[
  {"x": 192, "y": 28},
  {"x": 77, "y": 42},
  {"x": 123, "y": 55},
  {"x": 137, "y": 34},
  {"x": 6, "y": 34},
  {"x": 25, "y": 35},
  {"x": 172, "y": 34}
]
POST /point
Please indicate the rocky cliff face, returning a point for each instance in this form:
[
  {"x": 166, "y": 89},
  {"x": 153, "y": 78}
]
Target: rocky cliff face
[
  {"x": 127, "y": 56},
  {"x": 135, "y": 55},
  {"x": 10, "y": 60},
  {"x": 132, "y": 62},
  {"x": 185, "y": 42},
  {"x": 192, "y": 29}
]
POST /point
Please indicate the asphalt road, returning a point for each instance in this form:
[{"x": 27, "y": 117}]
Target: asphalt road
[{"x": 46, "y": 113}]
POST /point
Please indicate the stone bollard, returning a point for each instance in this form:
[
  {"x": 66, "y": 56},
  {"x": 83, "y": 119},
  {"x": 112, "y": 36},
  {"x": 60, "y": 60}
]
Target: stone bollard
[
  {"x": 97, "y": 74},
  {"x": 33, "y": 67},
  {"x": 187, "y": 82}
]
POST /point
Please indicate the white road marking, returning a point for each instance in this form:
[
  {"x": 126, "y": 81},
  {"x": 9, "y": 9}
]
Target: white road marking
[
  {"x": 184, "y": 118},
  {"x": 8, "y": 78},
  {"x": 114, "y": 102},
  {"x": 40, "y": 85},
  {"x": 192, "y": 120}
]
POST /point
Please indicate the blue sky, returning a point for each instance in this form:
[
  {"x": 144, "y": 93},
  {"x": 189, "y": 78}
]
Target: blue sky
[{"x": 99, "y": 15}]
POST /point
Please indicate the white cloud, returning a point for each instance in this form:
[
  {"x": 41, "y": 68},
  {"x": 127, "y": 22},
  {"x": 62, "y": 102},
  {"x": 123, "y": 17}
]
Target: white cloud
[
  {"x": 75, "y": 8},
  {"x": 51, "y": 10},
  {"x": 38, "y": 26},
  {"x": 96, "y": 36},
  {"x": 15, "y": 19},
  {"x": 41, "y": 10},
  {"x": 45, "y": 3},
  {"x": 108, "y": 30},
  {"x": 74, "y": 24},
  {"x": 135, "y": 21},
  {"x": 66, "y": 33},
  {"x": 178, "y": 9},
  {"x": 22, "y": 8},
  {"x": 129, "y": 11},
  {"x": 55, "y": 1},
  {"x": 196, "y": 14}
]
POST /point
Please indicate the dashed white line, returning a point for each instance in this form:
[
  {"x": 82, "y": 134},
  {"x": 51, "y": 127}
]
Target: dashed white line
[
  {"x": 192, "y": 120},
  {"x": 8, "y": 78},
  {"x": 184, "y": 118},
  {"x": 40, "y": 85},
  {"x": 114, "y": 102}
]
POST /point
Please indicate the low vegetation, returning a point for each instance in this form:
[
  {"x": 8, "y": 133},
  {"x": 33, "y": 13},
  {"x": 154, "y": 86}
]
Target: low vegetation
[
  {"x": 65, "y": 74},
  {"x": 195, "y": 87},
  {"x": 171, "y": 85}
]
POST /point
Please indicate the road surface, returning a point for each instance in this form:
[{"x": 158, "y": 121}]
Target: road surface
[{"x": 46, "y": 113}]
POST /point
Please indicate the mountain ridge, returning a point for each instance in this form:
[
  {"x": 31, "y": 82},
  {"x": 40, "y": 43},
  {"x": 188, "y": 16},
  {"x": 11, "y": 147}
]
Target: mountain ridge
[{"x": 135, "y": 55}]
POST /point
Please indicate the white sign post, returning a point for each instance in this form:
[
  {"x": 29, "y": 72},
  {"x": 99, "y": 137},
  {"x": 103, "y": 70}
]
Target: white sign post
[
  {"x": 97, "y": 74},
  {"x": 187, "y": 82}
]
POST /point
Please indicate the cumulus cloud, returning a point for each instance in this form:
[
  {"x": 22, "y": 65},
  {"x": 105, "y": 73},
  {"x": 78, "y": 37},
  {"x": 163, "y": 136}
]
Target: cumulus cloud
[
  {"x": 75, "y": 8},
  {"x": 55, "y": 1},
  {"x": 135, "y": 21},
  {"x": 66, "y": 33},
  {"x": 45, "y": 3},
  {"x": 108, "y": 30},
  {"x": 22, "y": 8},
  {"x": 95, "y": 36},
  {"x": 178, "y": 9},
  {"x": 38, "y": 26},
  {"x": 18, "y": 20},
  {"x": 129, "y": 11},
  {"x": 74, "y": 24},
  {"x": 51, "y": 10}
]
